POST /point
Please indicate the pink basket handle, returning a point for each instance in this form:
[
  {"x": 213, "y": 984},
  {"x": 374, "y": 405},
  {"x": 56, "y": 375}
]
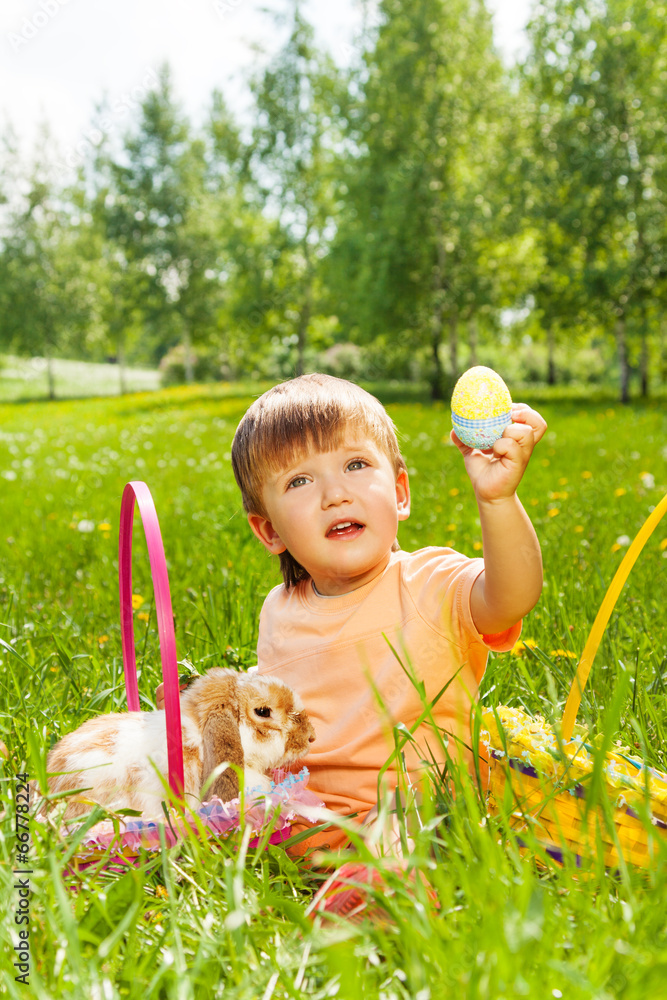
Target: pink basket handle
[{"x": 165, "y": 621}]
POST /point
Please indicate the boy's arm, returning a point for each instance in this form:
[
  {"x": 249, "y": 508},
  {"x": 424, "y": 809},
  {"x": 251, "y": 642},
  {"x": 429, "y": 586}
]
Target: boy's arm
[{"x": 512, "y": 579}]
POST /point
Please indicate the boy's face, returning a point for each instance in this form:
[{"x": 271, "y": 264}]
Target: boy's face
[{"x": 336, "y": 512}]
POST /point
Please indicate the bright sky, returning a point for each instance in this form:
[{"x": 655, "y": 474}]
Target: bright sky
[{"x": 60, "y": 56}]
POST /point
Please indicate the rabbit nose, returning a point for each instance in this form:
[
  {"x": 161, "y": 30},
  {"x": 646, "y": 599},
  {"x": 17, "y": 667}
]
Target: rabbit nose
[{"x": 311, "y": 739}]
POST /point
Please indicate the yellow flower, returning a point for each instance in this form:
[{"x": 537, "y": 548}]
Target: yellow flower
[
  {"x": 562, "y": 481},
  {"x": 523, "y": 644},
  {"x": 102, "y": 639},
  {"x": 663, "y": 545},
  {"x": 615, "y": 547},
  {"x": 586, "y": 475},
  {"x": 105, "y": 526},
  {"x": 620, "y": 492},
  {"x": 454, "y": 492},
  {"x": 143, "y": 616},
  {"x": 534, "y": 502},
  {"x": 579, "y": 528},
  {"x": 563, "y": 652},
  {"x": 450, "y": 527},
  {"x": 553, "y": 512},
  {"x": 137, "y": 601},
  {"x": 477, "y": 546},
  {"x": 162, "y": 892}
]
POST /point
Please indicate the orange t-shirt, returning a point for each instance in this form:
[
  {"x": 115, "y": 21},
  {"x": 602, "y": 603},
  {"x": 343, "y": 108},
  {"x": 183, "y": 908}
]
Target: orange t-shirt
[{"x": 332, "y": 651}]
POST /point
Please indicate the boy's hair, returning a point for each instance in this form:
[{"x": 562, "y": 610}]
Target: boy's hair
[{"x": 311, "y": 411}]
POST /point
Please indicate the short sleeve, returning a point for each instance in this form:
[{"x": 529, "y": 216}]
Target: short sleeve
[{"x": 440, "y": 582}]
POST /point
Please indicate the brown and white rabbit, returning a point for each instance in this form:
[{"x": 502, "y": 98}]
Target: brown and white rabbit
[{"x": 257, "y": 723}]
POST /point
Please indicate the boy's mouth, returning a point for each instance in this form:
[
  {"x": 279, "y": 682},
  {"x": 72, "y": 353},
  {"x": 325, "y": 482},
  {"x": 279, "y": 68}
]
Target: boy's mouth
[{"x": 344, "y": 529}]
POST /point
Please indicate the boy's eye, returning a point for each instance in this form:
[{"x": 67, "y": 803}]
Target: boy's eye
[
  {"x": 297, "y": 481},
  {"x": 357, "y": 463}
]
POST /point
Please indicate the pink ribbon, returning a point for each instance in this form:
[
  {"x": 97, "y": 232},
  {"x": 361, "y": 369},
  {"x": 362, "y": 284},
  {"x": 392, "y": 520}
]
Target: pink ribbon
[{"x": 165, "y": 621}]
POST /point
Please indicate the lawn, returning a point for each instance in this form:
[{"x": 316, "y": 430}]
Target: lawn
[{"x": 231, "y": 922}]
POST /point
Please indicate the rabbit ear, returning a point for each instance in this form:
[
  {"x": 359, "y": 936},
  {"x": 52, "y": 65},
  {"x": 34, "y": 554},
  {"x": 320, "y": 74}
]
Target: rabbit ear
[{"x": 222, "y": 742}]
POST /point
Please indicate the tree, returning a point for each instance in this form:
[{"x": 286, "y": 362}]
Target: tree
[
  {"x": 163, "y": 220},
  {"x": 596, "y": 72},
  {"x": 45, "y": 295},
  {"x": 422, "y": 216},
  {"x": 293, "y": 157}
]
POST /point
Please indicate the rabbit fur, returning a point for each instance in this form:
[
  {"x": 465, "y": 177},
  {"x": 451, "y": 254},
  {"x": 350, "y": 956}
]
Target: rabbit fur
[{"x": 257, "y": 723}]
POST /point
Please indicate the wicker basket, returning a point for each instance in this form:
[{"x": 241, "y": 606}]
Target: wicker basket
[{"x": 543, "y": 777}]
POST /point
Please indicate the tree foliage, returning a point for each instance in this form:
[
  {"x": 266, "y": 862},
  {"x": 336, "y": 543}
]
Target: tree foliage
[{"x": 412, "y": 205}]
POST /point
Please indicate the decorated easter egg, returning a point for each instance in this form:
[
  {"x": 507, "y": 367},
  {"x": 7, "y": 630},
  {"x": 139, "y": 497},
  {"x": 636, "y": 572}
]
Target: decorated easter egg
[{"x": 481, "y": 407}]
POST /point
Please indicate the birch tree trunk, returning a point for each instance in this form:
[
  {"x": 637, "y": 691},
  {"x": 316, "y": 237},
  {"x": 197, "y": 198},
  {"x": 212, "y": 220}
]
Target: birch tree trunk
[{"x": 622, "y": 352}]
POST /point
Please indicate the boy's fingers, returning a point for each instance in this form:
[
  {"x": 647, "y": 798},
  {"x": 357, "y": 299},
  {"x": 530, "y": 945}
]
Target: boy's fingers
[
  {"x": 522, "y": 433},
  {"x": 524, "y": 414}
]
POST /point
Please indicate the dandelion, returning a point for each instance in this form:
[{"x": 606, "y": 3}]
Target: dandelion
[
  {"x": 143, "y": 616},
  {"x": 562, "y": 481},
  {"x": 137, "y": 601},
  {"x": 454, "y": 492},
  {"x": 105, "y": 526},
  {"x": 477, "y": 546},
  {"x": 663, "y": 545},
  {"x": 522, "y": 645},
  {"x": 553, "y": 512},
  {"x": 620, "y": 492},
  {"x": 102, "y": 639},
  {"x": 586, "y": 475},
  {"x": 579, "y": 529},
  {"x": 567, "y": 653}
]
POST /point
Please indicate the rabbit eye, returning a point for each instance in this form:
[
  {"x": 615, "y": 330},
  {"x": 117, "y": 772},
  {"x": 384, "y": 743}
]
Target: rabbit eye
[{"x": 264, "y": 713}]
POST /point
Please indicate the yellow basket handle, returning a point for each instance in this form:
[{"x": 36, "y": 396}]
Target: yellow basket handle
[{"x": 606, "y": 608}]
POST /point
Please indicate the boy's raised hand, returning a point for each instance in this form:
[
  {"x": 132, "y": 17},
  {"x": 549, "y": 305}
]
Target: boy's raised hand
[{"x": 496, "y": 474}]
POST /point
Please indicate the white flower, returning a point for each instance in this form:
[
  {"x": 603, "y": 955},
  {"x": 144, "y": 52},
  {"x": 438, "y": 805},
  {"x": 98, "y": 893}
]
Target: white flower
[
  {"x": 623, "y": 540},
  {"x": 648, "y": 480},
  {"x": 9, "y": 474},
  {"x": 86, "y": 526}
]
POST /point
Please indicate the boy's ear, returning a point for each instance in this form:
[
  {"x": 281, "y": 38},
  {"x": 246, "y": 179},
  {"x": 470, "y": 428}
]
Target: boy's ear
[
  {"x": 263, "y": 529},
  {"x": 403, "y": 495}
]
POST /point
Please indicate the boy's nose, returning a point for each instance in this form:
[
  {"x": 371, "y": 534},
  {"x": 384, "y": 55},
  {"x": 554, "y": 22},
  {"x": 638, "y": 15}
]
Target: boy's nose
[
  {"x": 333, "y": 498},
  {"x": 334, "y": 493}
]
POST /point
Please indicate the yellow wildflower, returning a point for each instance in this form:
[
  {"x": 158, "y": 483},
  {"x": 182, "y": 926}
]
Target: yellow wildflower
[
  {"x": 143, "y": 616},
  {"x": 586, "y": 475},
  {"x": 105, "y": 526},
  {"x": 663, "y": 545},
  {"x": 102, "y": 639},
  {"x": 521, "y": 645},
  {"x": 137, "y": 601},
  {"x": 563, "y": 652},
  {"x": 620, "y": 492},
  {"x": 553, "y": 512},
  {"x": 579, "y": 528},
  {"x": 454, "y": 492}
]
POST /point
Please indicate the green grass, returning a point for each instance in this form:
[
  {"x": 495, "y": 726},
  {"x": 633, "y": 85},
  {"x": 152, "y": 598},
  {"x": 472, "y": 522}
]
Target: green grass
[{"x": 230, "y": 922}]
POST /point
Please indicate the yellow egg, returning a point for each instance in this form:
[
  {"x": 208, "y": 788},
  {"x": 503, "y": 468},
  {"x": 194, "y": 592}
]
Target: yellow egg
[{"x": 481, "y": 407}]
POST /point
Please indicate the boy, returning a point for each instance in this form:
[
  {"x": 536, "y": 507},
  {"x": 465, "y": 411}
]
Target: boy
[{"x": 324, "y": 486}]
